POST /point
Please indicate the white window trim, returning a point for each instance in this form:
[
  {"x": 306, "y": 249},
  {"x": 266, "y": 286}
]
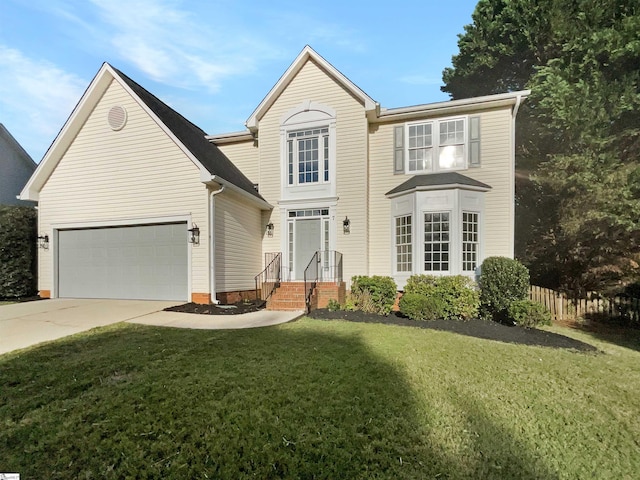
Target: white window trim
[
  {"x": 307, "y": 115},
  {"x": 453, "y": 237},
  {"x": 296, "y": 163},
  {"x": 435, "y": 145},
  {"x": 395, "y": 244},
  {"x": 416, "y": 204}
]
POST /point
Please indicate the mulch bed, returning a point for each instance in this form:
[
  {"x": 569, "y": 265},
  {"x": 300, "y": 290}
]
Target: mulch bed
[
  {"x": 211, "y": 309},
  {"x": 486, "y": 329}
]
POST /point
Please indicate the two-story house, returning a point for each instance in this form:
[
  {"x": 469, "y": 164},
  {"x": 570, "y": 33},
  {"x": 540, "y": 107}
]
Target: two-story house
[{"x": 140, "y": 203}]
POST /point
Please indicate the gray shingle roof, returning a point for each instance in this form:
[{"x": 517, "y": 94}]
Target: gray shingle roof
[
  {"x": 437, "y": 181},
  {"x": 193, "y": 138}
]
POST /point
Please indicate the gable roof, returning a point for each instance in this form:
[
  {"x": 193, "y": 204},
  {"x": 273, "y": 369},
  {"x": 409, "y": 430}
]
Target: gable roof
[
  {"x": 19, "y": 149},
  {"x": 306, "y": 54},
  {"x": 213, "y": 164},
  {"x": 194, "y": 139},
  {"x": 438, "y": 181}
]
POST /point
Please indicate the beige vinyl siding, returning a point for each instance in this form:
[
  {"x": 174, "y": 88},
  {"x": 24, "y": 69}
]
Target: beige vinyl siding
[
  {"x": 132, "y": 174},
  {"x": 244, "y": 155},
  {"x": 313, "y": 83},
  {"x": 238, "y": 247},
  {"x": 496, "y": 171}
]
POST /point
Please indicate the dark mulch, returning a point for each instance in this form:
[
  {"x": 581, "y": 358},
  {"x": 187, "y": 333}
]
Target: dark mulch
[
  {"x": 486, "y": 329},
  {"x": 22, "y": 299},
  {"x": 211, "y": 309}
]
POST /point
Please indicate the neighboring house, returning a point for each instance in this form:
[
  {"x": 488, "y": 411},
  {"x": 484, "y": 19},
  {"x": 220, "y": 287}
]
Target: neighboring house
[
  {"x": 320, "y": 167},
  {"x": 16, "y": 166}
]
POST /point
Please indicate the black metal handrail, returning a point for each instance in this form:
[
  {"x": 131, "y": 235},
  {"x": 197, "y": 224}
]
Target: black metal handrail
[
  {"x": 311, "y": 278},
  {"x": 269, "y": 279},
  {"x": 325, "y": 266}
]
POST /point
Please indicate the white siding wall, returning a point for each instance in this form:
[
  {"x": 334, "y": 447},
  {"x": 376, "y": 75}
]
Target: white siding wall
[
  {"x": 135, "y": 173},
  {"x": 245, "y": 156},
  {"x": 238, "y": 249},
  {"x": 313, "y": 83},
  {"x": 496, "y": 171}
]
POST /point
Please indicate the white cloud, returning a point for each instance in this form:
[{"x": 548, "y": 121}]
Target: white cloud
[
  {"x": 36, "y": 98},
  {"x": 175, "y": 47}
]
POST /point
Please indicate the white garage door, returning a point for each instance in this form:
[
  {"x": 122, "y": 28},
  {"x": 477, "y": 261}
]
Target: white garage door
[{"x": 143, "y": 262}]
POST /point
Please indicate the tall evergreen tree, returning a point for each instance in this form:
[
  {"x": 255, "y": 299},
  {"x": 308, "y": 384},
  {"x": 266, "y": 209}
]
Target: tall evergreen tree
[{"x": 580, "y": 132}]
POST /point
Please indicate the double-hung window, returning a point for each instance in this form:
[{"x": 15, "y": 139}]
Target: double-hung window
[
  {"x": 308, "y": 156},
  {"x": 436, "y": 145},
  {"x": 436, "y": 241},
  {"x": 404, "y": 239}
]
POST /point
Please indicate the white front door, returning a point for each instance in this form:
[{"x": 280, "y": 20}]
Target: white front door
[
  {"x": 308, "y": 231},
  {"x": 308, "y": 240}
]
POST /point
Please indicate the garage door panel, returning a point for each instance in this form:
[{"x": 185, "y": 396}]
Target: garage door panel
[{"x": 137, "y": 262}]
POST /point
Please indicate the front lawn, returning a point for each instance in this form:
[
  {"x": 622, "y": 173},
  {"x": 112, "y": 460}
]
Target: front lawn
[{"x": 317, "y": 399}]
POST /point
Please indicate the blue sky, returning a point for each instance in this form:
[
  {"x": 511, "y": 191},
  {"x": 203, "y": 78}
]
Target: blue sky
[{"x": 214, "y": 61}]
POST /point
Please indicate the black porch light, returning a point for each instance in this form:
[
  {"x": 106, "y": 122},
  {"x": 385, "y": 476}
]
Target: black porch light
[
  {"x": 346, "y": 226},
  {"x": 270, "y": 229},
  {"x": 43, "y": 242},
  {"x": 194, "y": 235}
]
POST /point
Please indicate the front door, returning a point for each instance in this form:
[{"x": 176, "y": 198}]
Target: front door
[{"x": 308, "y": 240}]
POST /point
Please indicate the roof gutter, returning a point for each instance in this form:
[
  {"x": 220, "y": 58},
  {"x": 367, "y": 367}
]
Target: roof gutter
[{"x": 208, "y": 179}]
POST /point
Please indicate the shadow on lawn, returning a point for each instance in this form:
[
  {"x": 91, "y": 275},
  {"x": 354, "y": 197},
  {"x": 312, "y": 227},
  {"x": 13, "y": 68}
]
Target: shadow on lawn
[{"x": 266, "y": 403}]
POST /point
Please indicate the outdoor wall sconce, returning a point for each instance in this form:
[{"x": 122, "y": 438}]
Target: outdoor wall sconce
[
  {"x": 194, "y": 235},
  {"x": 346, "y": 226},
  {"x": 270, "y": 229},
  {"x": 43, "y": 241}
]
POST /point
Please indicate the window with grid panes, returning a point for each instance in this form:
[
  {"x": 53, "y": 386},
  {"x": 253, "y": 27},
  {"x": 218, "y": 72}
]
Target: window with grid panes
[
  {"x": 436, "y": 145},
  {"x": 469, "y": 241},
  {"x": 404, "y": 260},
  {"x": 308, "y": 156},
  {"x": 436, "y": 241}
]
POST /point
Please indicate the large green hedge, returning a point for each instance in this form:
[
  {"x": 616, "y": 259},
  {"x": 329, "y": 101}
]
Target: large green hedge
[
  {"x": 502, "y": 281},
  {"x": 18, "y": 251}
]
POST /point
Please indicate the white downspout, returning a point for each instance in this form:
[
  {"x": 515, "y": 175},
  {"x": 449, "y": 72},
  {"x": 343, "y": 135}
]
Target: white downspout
[
  {"x": 212, "y": 245},
  {"x": 514, "y": 112}
]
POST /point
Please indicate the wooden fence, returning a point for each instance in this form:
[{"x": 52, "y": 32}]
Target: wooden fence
[{"x": 562, "y": 307}]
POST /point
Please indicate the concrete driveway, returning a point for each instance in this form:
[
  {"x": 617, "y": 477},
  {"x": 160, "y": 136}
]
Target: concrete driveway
[{"x": 29, "y": 323}]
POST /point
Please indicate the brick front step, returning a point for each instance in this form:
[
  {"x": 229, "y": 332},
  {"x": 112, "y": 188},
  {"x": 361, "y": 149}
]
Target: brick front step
[
  {"x": 291, "y": 296},
  {"x": 287, "y": 297}
]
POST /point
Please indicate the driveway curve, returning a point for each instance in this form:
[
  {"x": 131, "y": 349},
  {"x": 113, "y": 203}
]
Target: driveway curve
[{"x": 30, "y": 323}]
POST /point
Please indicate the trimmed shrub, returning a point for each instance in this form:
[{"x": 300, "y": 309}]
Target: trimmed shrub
[
  {"x": 458, "y": 294},
  {"x": 18, "y": 251},
  {"x": 375, "y": 294},
  {"x": 529, "y": 314},
  {"x": 502, "y": 281},
  {"x": 421, "y": 307},
  {"x": 421, "y": 284}
]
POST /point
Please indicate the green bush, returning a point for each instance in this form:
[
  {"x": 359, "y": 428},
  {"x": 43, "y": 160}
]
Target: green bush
[
  {"x": 18, "y": 251},
  {"x": 421, "y": 307},
  {"x": 457, "y": 293},
  {"x": 421, "y": 284},
  {"x": 333, "y": 305},
  {"x": 502, "y": 281},
  {"x": 529, "y": 314},
  {"x": 373, "y": 294}
]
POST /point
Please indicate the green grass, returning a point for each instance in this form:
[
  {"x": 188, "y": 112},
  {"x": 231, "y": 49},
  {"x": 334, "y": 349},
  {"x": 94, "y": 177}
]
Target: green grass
[{"x": 317, "y": 399}]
